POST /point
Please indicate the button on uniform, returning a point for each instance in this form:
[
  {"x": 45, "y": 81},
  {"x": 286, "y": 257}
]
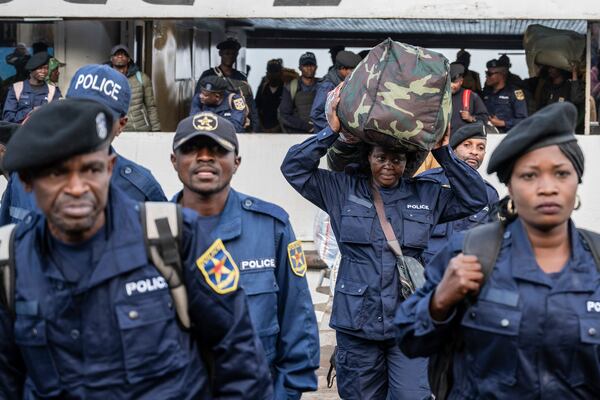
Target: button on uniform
[{"x": 133, "y": 314}]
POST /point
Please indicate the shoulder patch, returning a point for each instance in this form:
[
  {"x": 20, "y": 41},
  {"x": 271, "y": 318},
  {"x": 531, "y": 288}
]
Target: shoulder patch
[
  {"x": 297, "y": 259},
  {"x": 519, "y": 94},
  {"x": 218, "y": 268},
  {"x": 239, "y": 104},
  {"x": 264, "y": 207}
]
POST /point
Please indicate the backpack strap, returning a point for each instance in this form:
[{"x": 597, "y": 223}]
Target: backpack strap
[
  {"x": 7, "y": 267},
  {"x": 51, "y": 92},
  {"x": 294, "y": 88},
  {"x": 162, "y": 224},
  {"x": 485, "y": 241},
  {"x": 18, "y": 88},
  {"x": 138, "y": 76},
  {"x": 593, "y": 241},
  {"x": 466, "y": 99}
]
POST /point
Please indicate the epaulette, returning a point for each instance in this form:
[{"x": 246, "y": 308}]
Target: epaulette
[{"x": 264, "y": 207}]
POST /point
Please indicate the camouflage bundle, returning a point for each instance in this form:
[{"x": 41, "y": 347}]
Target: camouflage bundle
[{"x": 398, "y": 96}]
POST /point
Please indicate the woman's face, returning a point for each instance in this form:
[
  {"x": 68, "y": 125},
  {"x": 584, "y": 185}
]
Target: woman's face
[
  {"x": 543, "y": 186},
  {"x": 386, "y": 166}
]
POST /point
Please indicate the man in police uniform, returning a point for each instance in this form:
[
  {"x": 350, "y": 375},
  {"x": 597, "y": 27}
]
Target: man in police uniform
[
  {"x": 93, "y": 317},
  {"x": 103, "y": 84},
  {"x": 215, "y": 98},
  {"x": 259, "y": 236},
  {"x": 298, "y": 96},
  {"x": 236, "y": 80},
  {"x": 469, "y": 144},
  {"x": 505, "y": 103}
]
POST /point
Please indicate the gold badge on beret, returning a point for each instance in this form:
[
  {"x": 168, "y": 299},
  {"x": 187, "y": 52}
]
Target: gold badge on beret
[{"x": 205, "y": 122}]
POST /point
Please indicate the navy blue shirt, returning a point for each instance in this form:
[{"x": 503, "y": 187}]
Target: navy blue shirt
[{"x": 507, "y": 104}]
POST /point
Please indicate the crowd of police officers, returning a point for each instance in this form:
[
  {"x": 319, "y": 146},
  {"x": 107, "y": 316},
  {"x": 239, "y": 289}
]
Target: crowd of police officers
[{"x": 88, "y": 311}]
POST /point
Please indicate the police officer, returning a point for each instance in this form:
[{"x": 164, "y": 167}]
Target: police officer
[
  {"x": 23, "y": 97},
  {"x": 345, "y": 62},
  {"x": 469, "y": 144},
  {"x": 298, "y": 96},
  {"x": 215, "y": 98},
  {"x": 109, "y": 87},
  {"x": 530, "y": 329},
  {"x": 505, "y": 103},
  {"x": 467, "y": 106},
  {"x": 369, "y": 364},
  {"x": 260, "y": 238},
  {"x": 93, "y": 317}
]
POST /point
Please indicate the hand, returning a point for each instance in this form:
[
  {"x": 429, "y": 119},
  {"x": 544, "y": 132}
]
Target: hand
[
  {"x": 462, "y": 277},
  {"x": 573, "y": 72},
  {"x": 497, "y": 122},
  {"x": 466, "y": 116},
  {"x": 333, "y": 99}
]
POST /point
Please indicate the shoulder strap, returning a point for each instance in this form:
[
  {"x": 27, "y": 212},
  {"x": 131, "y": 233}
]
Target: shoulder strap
[
  {"x": 18, "y": 88},
  {"x": 138, "y": 76},
  {"x": 388, "y": 231},
  {"x": 466, "y": 99},
  {"x": 7, "y": 267},
  {"x": 51, "y": 92},
  {"x": 293, "y": 88},
  {"x": 484, "y": 241},
  {"x": 162, "y": 223},
  {"x": 593, "y": 241}
]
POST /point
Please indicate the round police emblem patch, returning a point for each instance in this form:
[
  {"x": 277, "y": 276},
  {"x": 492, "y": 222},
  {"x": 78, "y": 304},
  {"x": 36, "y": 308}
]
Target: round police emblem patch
[
  {"x": 101, "y": 129},
  {"x": 205, "y": 122}
]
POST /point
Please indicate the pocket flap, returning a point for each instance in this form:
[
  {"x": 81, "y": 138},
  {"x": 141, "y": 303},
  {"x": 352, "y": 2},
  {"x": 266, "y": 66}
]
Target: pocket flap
[
  {"x": 492, "y": 318},
  {"x": 30, "y": 331},
  {"x": 422, "y": 217},
  {"x": 150, "y": 311},
  {"x": 440, "y": 230},
  {"x": 357, "y": 210},
  {"x": 351, "y": 288},
  {"x": 589, "y": 330},
  {"x": 255, "y": 283}
]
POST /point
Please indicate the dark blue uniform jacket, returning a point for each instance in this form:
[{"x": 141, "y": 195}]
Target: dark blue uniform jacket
[
  {"x": 16, "y": 110},
  {"x": 133, "y": 179},
  {"x": 508, "y": 104},
  {"x": 530, "y": 335},
  {"x": 257, "y": 234},
  {"x": 366, "y": 292},
  {"x": 327, "y": 84},
  {"x": 114, "y": 334},
  {"x": 225, "y": 110},
  {"x": 442, "y": 232}
]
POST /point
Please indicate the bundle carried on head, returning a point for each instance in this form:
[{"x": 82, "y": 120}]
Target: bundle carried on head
[{"x": 398, "y": 96}]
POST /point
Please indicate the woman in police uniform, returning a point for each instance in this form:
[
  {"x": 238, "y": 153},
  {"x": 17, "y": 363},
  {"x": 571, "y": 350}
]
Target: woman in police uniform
[
  {"x": 369, "y": 364},
  {"x": 530, "y": 329}
]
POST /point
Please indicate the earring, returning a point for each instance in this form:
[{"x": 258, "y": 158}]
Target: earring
[
  {"x": 510, "y": 207},
  {"x": 577, "y": 203}
]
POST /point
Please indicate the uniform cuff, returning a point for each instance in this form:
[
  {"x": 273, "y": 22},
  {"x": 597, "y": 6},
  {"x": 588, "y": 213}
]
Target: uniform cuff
[
  {"x": 426, "y": 324},
  {"x": 326, "y": 135}
]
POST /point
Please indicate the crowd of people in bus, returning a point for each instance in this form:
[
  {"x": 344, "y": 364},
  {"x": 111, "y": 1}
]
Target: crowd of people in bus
[{"x": 292, "y": 101}]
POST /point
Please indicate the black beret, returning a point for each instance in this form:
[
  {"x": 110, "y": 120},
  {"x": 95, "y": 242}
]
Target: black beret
[
  {"x": 213, "y": 83},
  {"x": 456, "y": 70},
  {"x": 552, "y": 125},
  {"x": 494, "y": 64},
  {"x": 57, "y": 131},
  {"x": 468, "y": 131},
  {"x": 36, "y": 61},
  {"x": 347, "y": 59},
  {"x": 206, "y": 124},
  {"x": 229, "y": 44},
  {"x": 7, "y": 129}
]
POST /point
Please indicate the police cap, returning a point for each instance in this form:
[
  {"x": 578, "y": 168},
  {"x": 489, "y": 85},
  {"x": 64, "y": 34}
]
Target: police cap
[
  {"x": 307, "y": 58},
  {"x": 104, "y": 84},
  {"x": 457, "y": 70},
  {"x": 206, "y": 124},
  {"x": 347, "y": 59},
  {"x": 552, "y": 125},
  {"x": 213, "y": 83},
  {"x": 37, "y": 60},
  {"x": 475, "y": 130},
  {"x": 57, "y": 131},
  {"x": 493, "y": 63},
  {"x": 229, "y": 44}
]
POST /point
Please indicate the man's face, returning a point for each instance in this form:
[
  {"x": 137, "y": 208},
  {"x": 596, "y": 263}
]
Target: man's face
[
  {"x": 210, "y": 98},
  {"x": 344, "y": 72},
  {"x": 73, "y": 194},
  {"x": 308, "y": 71},
  {"x": 120, "y": 59},
  {"x": 472, "y": 151},
  {"x": 204, "y": 167},
  {"x": 228, "y": 57},
  {"x": 54, "y": 75},
  {"x": 493, "y": 76},
  {"x": 40, "y": 73},
  {"x": 456, "y": 84}
]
